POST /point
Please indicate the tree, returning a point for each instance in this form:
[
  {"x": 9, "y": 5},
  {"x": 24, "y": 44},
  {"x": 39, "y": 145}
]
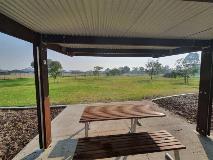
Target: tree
[
  {"x": 135, "y": 70},
  {"x": 188, "y": 66},
  {"x": 107, "y": 71},
  {"x": 192, "y": 58},
  {"x": 114, "y": 72},
  {"x": 55, "y": 69},
  {"x": 194, "y": 61},
  {"x": 141, "y": 70},
  {"x": 153, "y": 67},
  {"x": 124, "y": 69},
  {"x": 183, "y": 69},
  {"x": 165, "y": 69},
  {"x": 138, "y": 70},
  {"x": 171, "y": 74},
  {"x": 97, "y": 70}
]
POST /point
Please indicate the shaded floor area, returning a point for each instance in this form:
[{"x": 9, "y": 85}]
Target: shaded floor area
[{"x": 66, "y": 130}]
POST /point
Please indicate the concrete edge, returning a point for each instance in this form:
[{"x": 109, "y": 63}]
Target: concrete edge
[
  {"x": 176, "y": 95},
  {"x": 29, "y": 107}
]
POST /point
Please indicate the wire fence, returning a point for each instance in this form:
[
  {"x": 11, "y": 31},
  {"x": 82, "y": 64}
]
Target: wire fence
[{"x": 16, "y": 76}]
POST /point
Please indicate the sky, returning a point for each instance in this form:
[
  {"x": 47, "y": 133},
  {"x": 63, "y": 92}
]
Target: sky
[{"x": 18, "y": 54}]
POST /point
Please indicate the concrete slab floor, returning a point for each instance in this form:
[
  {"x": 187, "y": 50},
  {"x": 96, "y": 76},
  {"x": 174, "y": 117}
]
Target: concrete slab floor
[{"x": 66, "y": 130}]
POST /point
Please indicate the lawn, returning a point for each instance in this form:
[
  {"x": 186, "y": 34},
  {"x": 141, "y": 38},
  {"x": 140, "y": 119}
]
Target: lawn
[{"x": 70, "y": 90}]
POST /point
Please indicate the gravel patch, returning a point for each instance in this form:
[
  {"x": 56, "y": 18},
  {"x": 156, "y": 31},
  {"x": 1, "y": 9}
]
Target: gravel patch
[
  {"x": 17, "y": 128},
  {"x": 183, "y": 105}
]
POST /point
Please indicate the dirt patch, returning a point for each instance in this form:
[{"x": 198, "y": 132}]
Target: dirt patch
[
  {"x": 183, "y": 105},
  {"x": 17, "y": 128}
]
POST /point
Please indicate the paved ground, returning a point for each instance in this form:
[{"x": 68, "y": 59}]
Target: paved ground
[{"x": 66, "y": 130}]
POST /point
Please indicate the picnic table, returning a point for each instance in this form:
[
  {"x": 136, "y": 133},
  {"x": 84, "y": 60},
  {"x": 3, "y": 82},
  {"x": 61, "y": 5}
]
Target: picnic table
[
  {"x": 116, "y": 112},
  {"x": 124, "y": 144}
]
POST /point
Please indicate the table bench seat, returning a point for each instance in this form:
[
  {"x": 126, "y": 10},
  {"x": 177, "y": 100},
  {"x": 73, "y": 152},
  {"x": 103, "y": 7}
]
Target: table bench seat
[{"x": 125, "y": 144}]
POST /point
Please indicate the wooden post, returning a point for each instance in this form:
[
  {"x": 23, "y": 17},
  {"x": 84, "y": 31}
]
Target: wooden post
[
  {"x": 42, "y": 94},
  {"x": 205, "y": 92}
]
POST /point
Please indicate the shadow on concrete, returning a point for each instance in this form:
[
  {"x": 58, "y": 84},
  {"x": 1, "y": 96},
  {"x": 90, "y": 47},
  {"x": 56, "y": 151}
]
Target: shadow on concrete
[
  {"x": 121, "y": 158},
  {"x": 119, "y": 146},
  {"x": 65, "y": 149},
  {"x": 207, "y": 144},
  {"x": 34, "y": 155}
]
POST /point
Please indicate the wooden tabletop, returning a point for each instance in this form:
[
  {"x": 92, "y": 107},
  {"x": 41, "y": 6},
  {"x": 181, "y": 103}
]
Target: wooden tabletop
[{"x": 114, "y": 112}]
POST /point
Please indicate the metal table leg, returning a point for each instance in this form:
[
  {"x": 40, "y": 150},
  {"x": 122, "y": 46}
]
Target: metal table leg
[
  {"x": 176, "y": 155},
  {"x": 133, "y": 125},
  {"x": 86, "y": 128}
]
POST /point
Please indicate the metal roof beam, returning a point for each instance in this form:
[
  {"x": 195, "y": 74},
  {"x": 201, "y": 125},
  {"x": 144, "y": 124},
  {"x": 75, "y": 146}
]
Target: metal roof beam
[
  {"x": 104, "y": 50},
  {"x": 208, "y": 1},
  {"x": 15, "y": 29},
  {"x": 150, "y": 51},
  {"x": 183, "y": 50},
  {"x": 12, "y": 28},
  {"x": 68, "y": 39},
  {"x": 112, "y": 54},
  {"x": 55, "y": 47},
  {"x": 154, "y": 55}
]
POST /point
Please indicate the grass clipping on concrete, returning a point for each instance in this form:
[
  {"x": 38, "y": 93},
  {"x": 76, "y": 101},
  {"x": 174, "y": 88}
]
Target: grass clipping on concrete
[{"x": 72, "y": 90}]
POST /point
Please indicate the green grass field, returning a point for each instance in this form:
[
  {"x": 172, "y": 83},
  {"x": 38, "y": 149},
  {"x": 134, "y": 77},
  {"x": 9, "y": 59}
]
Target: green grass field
[{"x": 21, "y": 92}]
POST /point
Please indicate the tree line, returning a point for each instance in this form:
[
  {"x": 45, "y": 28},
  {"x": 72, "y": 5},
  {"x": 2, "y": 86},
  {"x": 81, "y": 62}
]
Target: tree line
[{"x": 184, "y": 67}]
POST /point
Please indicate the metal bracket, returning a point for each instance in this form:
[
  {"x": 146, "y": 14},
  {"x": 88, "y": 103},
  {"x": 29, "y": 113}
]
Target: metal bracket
[{"x": 176, "y": 155}]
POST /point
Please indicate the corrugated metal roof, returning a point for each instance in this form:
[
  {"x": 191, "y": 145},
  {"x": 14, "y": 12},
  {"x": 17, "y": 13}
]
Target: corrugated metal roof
[{"x": 121, "y": 18}]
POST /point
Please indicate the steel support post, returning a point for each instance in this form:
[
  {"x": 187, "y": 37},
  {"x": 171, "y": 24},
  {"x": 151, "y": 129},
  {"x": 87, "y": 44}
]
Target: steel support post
[
  {"x": 205, "y": 92},
  {"x": 42, "y": 94}
]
